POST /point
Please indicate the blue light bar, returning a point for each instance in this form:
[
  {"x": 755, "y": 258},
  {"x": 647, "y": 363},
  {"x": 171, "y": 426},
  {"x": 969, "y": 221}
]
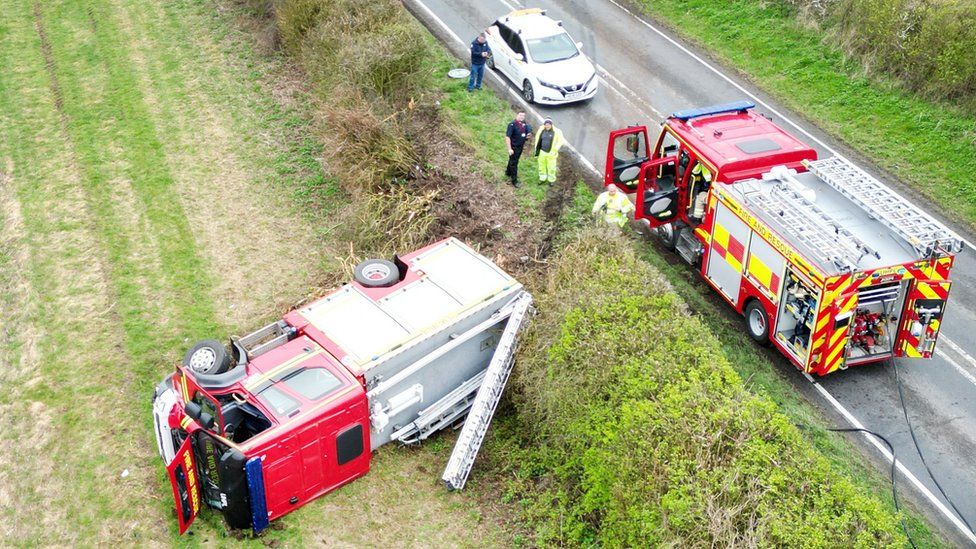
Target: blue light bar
[{"x": 737, "y": 106}]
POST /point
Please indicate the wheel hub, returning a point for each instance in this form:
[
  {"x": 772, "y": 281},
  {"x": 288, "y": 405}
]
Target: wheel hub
[{"x": 203, "y": 360}]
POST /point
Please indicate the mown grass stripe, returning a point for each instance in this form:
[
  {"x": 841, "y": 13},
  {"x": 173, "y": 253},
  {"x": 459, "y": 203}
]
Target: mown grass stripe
[{"x": 122, "y": 107}]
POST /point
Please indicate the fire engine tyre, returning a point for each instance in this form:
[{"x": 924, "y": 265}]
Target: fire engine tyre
[
  {"x": 376, "y": 273},
  {"x": 757, "y": 322},
  {"x": 207, "y": 357},
  {"x": 527, "y": 92},
  {"x": 668, "y": 235}
]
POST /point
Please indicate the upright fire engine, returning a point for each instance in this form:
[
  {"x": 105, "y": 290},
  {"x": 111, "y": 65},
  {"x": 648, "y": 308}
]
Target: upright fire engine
[
  {"x": 822, "y": 259},
  {"x": 293, "y": 412}
]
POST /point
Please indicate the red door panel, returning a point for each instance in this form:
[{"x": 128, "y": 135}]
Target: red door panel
[
  {"x": 186, "y": 486},
  {"x": 627, "y": 150}
]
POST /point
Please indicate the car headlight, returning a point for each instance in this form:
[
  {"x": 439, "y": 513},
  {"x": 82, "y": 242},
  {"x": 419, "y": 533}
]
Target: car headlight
[
  {"x": 548, "y": 85},
  {"x": 590, "y": 81}
]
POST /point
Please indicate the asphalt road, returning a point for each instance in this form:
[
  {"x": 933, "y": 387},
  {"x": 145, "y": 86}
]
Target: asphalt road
[{"x": 646, "y": 73}]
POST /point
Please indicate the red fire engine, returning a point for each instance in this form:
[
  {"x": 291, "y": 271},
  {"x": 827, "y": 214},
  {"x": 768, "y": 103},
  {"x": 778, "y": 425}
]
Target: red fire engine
[
  {"x": 294, "y": 410},
  {"x": 823, "y": 260}
]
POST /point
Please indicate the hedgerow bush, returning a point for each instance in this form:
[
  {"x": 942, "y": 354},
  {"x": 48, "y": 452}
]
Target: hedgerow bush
[
  {"x": 636, "y": 432},
  {"x": 927, "y": 44}
]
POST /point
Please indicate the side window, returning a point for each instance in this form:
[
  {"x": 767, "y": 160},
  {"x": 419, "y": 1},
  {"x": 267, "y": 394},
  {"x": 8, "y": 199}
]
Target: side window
[
  {"x": 504, "y": 33},
  {"x": 669, "y": 145},
  {"x": 312, "y": 383},
  {"x": 349, "y": 444},
  {"x": 515, "y": 42},
  {"x": 629, "y": 148},
  {"x": 208, "y": 406}
]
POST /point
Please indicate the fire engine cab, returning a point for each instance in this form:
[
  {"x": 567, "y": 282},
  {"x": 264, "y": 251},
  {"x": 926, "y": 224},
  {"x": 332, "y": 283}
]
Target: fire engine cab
[
  {"x": 823, "y": 260},
  {"x": 294, "y": 410}
]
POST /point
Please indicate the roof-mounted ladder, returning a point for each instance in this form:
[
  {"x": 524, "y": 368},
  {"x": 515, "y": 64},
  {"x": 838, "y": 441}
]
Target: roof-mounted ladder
[
  {"x": 919, "y": 229},
  {"x": 496, "y": 376},
  {"x": 825, "y": 238}
]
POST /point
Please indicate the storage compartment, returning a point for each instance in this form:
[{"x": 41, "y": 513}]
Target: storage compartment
[
  {"x": 797, "y": 313},
  {"x": 875, "y": 321}
]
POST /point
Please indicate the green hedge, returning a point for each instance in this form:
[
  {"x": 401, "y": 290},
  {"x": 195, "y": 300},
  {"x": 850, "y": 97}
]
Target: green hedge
[
  {"x": 635, "y": 431},
  {"x": 928, "y": 44}
]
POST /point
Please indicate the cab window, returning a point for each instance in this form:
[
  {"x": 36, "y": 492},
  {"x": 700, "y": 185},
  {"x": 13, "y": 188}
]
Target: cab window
[
  {"x": 278, "y": 401},
  {"x": 208, "y": 406},
  {"x": 312, "y": 383}
]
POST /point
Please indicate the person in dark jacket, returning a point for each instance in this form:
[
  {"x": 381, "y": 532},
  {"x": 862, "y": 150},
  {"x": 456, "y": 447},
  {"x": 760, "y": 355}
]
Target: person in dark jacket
[
  {"x": 516, "y": 135},
  {"x": 480, "y": 52}
]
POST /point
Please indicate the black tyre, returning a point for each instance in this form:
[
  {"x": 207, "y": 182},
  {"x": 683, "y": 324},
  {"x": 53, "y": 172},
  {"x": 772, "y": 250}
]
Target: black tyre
[
  {"x": 207, "y": 357},
  {"x": 527, "y": 92},
  {"x": 668, "y": 235},
  {"x": 490, "y": 63},
  {"x": 757, "y": 322},
  {"x": 376, "y": 273}
]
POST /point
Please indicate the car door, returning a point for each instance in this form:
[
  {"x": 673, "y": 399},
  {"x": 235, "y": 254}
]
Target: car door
[
  {"x": 501, "y": 51},
  {"x": 517, "y": 63}
]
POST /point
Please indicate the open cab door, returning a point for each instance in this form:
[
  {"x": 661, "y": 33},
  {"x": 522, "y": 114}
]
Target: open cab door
[
  {"x": 627, "y": 151},
  {"x": 922, "y": 318},
  {"x": 186, "y": 488},
  {"x": 657, "y": 197}
]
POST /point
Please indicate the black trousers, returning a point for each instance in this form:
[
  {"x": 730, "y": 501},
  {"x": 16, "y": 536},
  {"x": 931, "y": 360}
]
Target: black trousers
[{"x": 512, "y": 170}]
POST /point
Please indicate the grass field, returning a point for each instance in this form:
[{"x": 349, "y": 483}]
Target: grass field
[
  {"x": 929, "y": 146},
  {"x": 158, "y": 184}
]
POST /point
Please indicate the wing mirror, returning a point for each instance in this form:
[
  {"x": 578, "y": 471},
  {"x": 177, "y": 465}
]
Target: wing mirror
[
  {"x": 579, "y": 45},
  {"x": 519, "y": 57},
  {"x": 194, "y": 410}
]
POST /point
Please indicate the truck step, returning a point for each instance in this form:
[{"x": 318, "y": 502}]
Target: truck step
[
  {"x": 687, "y": 246},
  {"x": 264, "y": 339},
  {"x": 484, "y": 405}
]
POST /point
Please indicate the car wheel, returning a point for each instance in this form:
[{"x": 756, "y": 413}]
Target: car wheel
[
  {"x": 757, "y": 322},
  {"x": 491, "y": 62},
  {"x": 527, "y": 92},
  {"x": 376, "y": 273},
  {"x": 207, "y": 357}
]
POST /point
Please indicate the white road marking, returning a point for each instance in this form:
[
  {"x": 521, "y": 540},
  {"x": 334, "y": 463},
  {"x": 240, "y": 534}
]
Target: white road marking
[
  {"x": 853, "y": 421},
  {"x": 965, "y": 373},
  {"x": 743, "y": 90}
]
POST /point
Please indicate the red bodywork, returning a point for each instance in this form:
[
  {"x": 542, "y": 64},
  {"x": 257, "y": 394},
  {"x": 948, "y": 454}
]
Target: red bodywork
[
  {"x": 307, "y": 448},
  {"x": 733, "y": 143}
]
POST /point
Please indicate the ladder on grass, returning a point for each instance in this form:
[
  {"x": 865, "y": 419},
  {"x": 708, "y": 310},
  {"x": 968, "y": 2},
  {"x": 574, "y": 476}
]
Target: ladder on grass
[
  {"x": 826, "y": 239},
  {"x": 483, "y": 408},
  {"x": 919, "y": 229}
]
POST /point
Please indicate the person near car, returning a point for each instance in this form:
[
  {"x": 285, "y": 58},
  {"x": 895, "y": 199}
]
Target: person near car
[
  {"x": 516, "y": 135},
  {"x": 547, "y": 144},
  {"x": 615, "y": 206},
  {"x": 480, "y": 52}
]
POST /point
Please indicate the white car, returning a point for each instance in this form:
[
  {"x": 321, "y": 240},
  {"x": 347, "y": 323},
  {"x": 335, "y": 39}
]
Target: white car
[{"x": 537, "y": 55}]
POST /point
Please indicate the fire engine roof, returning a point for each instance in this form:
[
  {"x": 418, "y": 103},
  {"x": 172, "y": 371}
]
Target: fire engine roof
[
  {"x": 446, "y": 280},
  {"x": 740, "y": 142},
  {"x": 822, "y": 224}
]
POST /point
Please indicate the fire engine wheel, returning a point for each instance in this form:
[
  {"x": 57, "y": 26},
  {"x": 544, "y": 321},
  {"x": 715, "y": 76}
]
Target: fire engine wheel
[
  {"x": 668, "y": 235},
  {"x": 207, "y": 357},
  {"x": 527, "y": 92},
  {"x": 376, "y": 273},
  {"x": 757, "y": 322}
]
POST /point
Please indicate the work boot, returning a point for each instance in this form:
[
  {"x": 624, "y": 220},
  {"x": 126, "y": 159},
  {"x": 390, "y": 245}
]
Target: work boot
[{"x": 516, "y": 183}]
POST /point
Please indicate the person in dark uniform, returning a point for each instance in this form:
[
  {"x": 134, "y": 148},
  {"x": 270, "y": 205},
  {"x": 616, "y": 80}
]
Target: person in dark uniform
[
  {"x": 480, "y": 52},
  {"x": 515, "y": 137}
]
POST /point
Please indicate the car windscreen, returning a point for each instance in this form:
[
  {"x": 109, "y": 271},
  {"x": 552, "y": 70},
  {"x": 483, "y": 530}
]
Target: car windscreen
[
  {"x": 551, "y": 48},
  {"x": 312, "y": 383},
  {"x": 278, "y": 401}
]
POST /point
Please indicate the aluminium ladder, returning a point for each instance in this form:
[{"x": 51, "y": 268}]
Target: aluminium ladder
[
  {"x": 825, "y": 238},
  {"x": 920, "y": 230},
  {"x": 496, "y": 376}
]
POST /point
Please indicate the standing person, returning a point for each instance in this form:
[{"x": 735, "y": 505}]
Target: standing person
[
  {"x": 615, "y": 206},
  {"x": 516, "y": 135},
  {"x": 480, "y": 52},
  {"x": 547, "y": 144}
]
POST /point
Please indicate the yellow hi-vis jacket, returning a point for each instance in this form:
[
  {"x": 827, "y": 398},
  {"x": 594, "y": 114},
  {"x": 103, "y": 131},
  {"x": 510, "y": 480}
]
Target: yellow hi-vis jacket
[
  {"x": 615, "y": 208},
  {"x": 557, "y": 141}
]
